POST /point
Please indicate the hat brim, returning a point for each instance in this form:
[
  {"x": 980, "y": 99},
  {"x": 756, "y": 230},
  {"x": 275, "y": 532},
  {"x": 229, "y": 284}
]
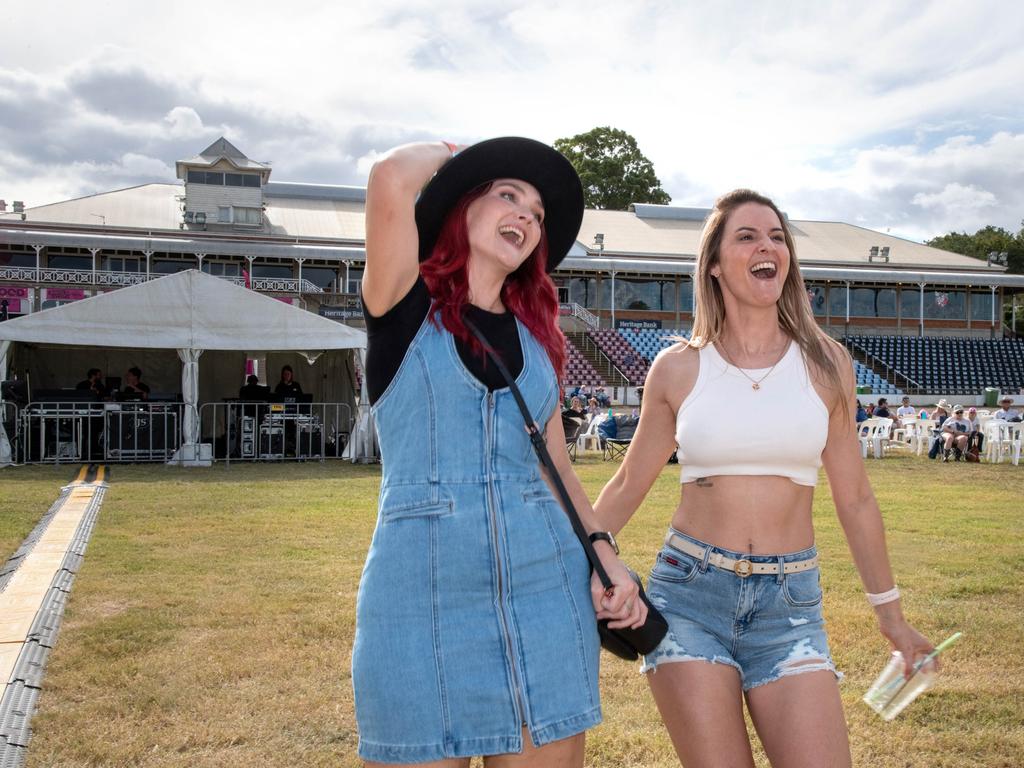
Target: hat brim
[{"x": 509, "y": 157}]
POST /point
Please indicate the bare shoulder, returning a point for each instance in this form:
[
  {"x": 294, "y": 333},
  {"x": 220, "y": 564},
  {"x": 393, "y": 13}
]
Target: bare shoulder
[
  {"x": 825, "y": 385},
  {"x": 673, "y": 374}
]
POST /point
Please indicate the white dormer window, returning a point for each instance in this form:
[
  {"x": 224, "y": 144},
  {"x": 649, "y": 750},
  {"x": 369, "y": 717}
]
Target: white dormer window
[{"x": 224, "y": 214}]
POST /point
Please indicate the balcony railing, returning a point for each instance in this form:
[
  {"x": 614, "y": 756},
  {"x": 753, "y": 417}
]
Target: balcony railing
[{"x": 117, "y": 279}]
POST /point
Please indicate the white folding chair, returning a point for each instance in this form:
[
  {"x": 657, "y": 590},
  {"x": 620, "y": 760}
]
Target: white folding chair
[
  {"x": 866, "y": 434},
  {"x": 1006, "y": 440},
  {"x": 589, "y": 437},
  {"x": 924, "y": 429}
]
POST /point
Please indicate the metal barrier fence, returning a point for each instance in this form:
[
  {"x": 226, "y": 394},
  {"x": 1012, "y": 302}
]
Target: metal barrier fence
[
  {"x": 256, "y": 431},
  {"x": 70, "y": 431},
  {"x": 9, "y": 418}
]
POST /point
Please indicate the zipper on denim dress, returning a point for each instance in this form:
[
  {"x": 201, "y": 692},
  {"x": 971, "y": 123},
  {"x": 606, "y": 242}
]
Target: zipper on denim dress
[{"x": 492, "y": 514}]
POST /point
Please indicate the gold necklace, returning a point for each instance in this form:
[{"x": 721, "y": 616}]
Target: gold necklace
[{"x": 755, "y": 384}]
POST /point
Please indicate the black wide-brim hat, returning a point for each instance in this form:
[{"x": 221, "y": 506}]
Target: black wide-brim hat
[{"x": 510, "y": 157}]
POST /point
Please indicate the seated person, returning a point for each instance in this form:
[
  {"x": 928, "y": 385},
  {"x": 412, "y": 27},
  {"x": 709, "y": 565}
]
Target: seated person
[
  {"x": 602, "y": 397},
  {"x": 1006, "y": 410},
  {"x": 134, "y": 388},
  {"x": 975, "y": 439},
  {"x": 906, "y": 411},
  {"x": 882, "y": 410},
  {"x": 252, "y": 389},
  {"x": 862, "y": 415},
  {"x": 288, "y": 386},
  {"x": 956, "y": 432},
  {"x": 94, "y": 382},
  {"x": 574, "y": 417}
]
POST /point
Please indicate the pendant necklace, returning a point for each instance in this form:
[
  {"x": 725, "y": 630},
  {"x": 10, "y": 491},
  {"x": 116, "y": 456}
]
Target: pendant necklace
[{"x": 755, "y": 384}]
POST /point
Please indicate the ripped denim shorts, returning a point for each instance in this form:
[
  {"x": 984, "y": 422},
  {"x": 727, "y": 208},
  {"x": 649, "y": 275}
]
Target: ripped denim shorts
[{"x": 767, "y": 626}]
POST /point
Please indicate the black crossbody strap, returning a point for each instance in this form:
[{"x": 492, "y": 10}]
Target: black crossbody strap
[{"x": 540, "y": 446}]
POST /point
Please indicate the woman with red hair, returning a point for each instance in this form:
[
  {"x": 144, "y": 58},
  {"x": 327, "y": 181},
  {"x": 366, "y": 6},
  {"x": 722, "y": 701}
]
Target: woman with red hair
[{"x": 476, "y": 615}]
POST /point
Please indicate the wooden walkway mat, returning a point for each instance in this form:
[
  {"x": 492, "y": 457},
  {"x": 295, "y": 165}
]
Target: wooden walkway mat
[{"x": 34, "y": 585}]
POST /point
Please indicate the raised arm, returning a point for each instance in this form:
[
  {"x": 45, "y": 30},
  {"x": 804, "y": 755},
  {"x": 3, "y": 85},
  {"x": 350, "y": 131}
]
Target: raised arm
[
  {"x": 860, "y": 516},
  {"x": 669, "y": 380},
  {"x": 392, "y": 243}
]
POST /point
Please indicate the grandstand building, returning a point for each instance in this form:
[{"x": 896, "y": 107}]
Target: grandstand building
[{"x": 626, "y": 285}]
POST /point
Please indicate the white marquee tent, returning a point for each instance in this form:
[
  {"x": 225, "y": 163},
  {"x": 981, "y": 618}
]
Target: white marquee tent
[{"x": 189, "y": 312}]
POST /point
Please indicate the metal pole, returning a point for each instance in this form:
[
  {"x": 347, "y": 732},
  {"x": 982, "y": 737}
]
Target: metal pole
[
  {"x": 992, "y": 333},
  {"x": 613, "y": 298},
  {"x": 921, "y": 318}
]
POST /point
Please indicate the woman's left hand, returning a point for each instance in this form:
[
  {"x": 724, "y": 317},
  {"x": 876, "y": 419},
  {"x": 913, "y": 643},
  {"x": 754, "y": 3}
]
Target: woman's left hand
[
  {"x": 908, "y": 641},
  {"x": 621, "y": 604}
]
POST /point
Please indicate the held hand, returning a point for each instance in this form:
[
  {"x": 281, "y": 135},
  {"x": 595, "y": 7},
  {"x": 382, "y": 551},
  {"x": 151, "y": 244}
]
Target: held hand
[
  {"x": 621, "y": 604},
  {"x": 908, "y": 641}
]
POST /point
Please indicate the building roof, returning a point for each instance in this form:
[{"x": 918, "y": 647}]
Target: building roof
[
  {"x": 817, "y": 242},
  {"x": 222, "y": 149},
  {"x": 318, "y": 213}
]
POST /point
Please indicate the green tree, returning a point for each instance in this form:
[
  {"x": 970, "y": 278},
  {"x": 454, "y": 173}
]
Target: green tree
[
  {"x": 614, "y": 171},
  {"x": 985, "y": 241}
]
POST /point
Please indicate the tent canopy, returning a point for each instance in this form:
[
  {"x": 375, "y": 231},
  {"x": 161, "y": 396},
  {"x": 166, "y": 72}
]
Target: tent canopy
[{"x": 187, "y": 310}]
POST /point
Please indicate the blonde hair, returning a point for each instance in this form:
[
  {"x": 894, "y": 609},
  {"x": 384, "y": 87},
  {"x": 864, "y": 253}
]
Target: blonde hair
[{"x": 795, "y": 316}]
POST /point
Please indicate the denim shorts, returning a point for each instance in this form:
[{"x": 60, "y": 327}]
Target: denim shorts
[{"x": 767, "y": 626}]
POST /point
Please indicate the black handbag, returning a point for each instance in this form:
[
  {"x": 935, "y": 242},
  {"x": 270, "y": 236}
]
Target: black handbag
[{"x": 625, "y": 642}]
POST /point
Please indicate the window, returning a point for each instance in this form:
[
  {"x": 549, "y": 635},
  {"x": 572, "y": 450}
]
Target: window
[
  {"x": 224, "y": 214},
  {"x": 8, "y": 259},
  {"x": 223, "y": 268},
  {"x": 171, "y": 266},
  {"x": 321, "y": 277},
  {"x": 223, "y": 179},
  {"x": 816, "y": 296},
  {"x": 121, "y": 264},
  {"x": 272, "y": 270},
  {"x": 252, "y": 216},
  {"x": 864, "y": 302},
  {"x": 633, "y": 293},
  {"x": 64, "y": 261},
  {"x": 355, "y": 280},
  {"x": 945, "y": 305},
  {"x": 583, "y": 291},
  {"x": 981, "y": 306},
  {"x": 686, "y": 294},
  {"x": 563, "y": 293}
]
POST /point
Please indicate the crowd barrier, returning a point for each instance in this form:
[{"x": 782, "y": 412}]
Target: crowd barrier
[
  {"x": 257, "y": 431},
  {"x": 73, "y": 431}
]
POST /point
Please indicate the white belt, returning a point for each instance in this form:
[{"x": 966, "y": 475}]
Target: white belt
[{"x": 741, "y": 568}]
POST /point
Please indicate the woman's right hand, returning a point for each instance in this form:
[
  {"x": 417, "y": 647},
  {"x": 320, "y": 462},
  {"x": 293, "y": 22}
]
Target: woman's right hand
[{"x": 621, "y": 604}]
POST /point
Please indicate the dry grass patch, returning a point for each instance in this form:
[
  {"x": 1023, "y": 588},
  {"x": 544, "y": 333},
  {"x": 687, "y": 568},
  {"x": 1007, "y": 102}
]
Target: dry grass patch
[{"x": 212, "y": 622}]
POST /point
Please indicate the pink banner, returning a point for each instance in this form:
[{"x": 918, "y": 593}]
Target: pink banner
[
  {"x": 15, "y": 295},
  {"x": 63, "y": 294}
]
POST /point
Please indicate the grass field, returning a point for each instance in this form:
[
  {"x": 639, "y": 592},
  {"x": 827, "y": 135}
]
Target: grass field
[{"x": 212, "y": 621}]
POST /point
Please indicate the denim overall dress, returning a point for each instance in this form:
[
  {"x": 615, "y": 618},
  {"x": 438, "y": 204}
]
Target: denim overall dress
[{"x": 474, "y": 617}]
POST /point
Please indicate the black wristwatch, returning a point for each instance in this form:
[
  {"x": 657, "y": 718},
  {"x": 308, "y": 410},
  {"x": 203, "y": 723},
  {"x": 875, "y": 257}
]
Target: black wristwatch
[{"x": 605, "y": 536}]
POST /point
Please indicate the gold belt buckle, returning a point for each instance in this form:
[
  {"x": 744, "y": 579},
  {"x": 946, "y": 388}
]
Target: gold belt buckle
[{"x": 743, "y": 568}]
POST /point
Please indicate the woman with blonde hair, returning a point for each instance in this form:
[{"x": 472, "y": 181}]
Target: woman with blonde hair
[{"x": 756, "y": 401}]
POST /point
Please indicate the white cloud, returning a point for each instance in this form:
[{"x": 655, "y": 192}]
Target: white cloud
[
  {"x": 839, "y": 112},
  {"x": 955, "y": 196}
]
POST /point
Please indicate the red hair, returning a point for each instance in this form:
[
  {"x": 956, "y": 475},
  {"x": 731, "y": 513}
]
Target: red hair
[{"x": 528, "y": 293}]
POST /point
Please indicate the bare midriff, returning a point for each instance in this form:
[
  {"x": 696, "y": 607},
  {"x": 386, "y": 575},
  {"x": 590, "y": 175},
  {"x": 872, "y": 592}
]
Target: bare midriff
[{"x": 755, "y": 514}]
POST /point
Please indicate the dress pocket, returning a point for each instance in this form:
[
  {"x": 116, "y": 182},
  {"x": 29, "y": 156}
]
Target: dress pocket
[
  {"x": 414, "y": 501},
  {"x": 802, "y": 590}
]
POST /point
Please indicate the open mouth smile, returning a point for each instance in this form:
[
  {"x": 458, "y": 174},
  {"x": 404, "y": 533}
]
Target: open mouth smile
[
  {"x": 764, "y": 270},
  {"x": 513, "y": 235}
]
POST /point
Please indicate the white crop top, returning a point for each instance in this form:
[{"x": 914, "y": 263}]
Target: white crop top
[{"x": 725, "y": 427}]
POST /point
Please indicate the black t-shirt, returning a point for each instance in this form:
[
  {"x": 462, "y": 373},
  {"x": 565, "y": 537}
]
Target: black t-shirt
[
  {"x": 290, "y": 389},
  {"x": 388, "y": 338}
]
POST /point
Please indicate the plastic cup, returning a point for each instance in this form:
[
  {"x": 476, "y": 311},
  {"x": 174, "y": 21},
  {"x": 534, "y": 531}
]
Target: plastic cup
[{"x": 891, "y": 692}]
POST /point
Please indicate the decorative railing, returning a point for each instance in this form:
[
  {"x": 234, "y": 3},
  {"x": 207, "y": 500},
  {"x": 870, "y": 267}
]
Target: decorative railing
[
  {"x": 587, "y": 317},
  {"x": 24, "y": 274},
  {"x": 117, "y": 279}
]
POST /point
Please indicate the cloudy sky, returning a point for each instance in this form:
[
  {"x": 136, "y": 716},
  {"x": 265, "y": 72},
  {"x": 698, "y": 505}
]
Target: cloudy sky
[{"x": 900, "y": 116}]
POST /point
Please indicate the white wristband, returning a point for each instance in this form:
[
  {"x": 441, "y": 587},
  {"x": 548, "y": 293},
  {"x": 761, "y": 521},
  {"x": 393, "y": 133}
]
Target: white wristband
[{"x": 882, "y": 598}]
